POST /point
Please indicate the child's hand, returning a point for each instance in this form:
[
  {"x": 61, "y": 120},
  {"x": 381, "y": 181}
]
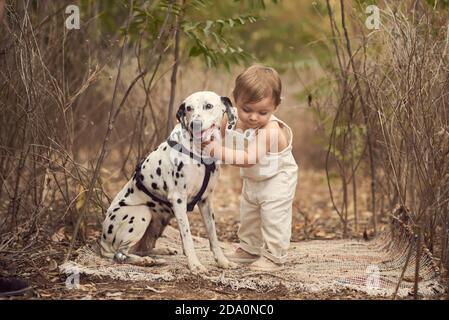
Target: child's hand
[
  {"x": 209, "y": 147},
  {"x": 204, "y": 144}
]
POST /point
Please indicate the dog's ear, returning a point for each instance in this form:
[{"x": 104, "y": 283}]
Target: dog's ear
[
  {"x": 229, "y": 111},
  {"x": 226, "y": 101},
  {"x": 181, "y": 113}
]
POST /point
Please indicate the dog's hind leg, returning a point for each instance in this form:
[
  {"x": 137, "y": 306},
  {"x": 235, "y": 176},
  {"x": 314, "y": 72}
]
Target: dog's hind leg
[
  {"x": 123, "y": 231},
  {"x": 146, "y": 246},
  {"x": 209, "y": 221}
]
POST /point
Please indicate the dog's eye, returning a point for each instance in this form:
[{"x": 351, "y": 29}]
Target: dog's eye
[
  {"x": 209, "y": 106},
  {"x": 189, "y": 108}
]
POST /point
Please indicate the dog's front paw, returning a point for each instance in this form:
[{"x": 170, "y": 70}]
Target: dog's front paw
[
  {"x": 167, "y": 251},
  {"x": 226, "y": 264},
  {"x": 197, "y": 268},
  {"x": 149, "y": 262},
  {"x": 171, "y": 251}
]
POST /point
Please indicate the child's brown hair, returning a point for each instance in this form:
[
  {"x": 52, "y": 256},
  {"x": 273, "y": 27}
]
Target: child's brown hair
[{"x": 256, "y": 83}]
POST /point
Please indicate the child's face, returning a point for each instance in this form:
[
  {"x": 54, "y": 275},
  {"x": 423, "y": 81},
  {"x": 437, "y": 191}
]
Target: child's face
[{"x": 254, "y": 115}]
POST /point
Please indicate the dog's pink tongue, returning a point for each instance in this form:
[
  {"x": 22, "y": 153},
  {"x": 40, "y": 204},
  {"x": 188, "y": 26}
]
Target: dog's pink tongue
[{"x": 203, "y": 135}]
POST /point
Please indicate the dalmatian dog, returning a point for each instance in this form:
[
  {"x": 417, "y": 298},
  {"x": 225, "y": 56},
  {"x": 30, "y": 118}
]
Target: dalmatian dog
[{"x": 168, "y": 183}]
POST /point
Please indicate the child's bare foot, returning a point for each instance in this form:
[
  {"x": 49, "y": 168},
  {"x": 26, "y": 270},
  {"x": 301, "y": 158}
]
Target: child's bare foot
[
  {"x": 265, "y": 264},
  {"x": 241, "y": 256}
]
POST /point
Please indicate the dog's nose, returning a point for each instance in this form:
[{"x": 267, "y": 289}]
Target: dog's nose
[{"x": 196, "y": 125}]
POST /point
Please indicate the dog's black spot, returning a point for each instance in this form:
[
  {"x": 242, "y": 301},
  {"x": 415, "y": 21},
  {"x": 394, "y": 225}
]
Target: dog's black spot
[
  {"x": 127, "y": 192},
  {"x": 177, "y": 174},
  {"x": 180, "y": 166},
  {"x": 122, "y": 203},
  {"x": 154, "y": 186},
  {"x": 198, "y": 165},
  {"x": 165, "y": 148},
  {"x": 111, "y": 226},
  {"x": 151, "y": 176},
  {"x": 115, "y": 209},
  {"x": 176, "y": 161},
  {"x": 158, "y": 171},
  {"x": 160, "y": 162},
  {"x": 213, "y": 216},
  {"x": 132, "y": 190},
  {"x": 113, "y": 241},
  {"x": 151, "y": 204},
  {"x": 113, "y": 217},
  {"x": 143, "y": 167},
  {"x": 176, "y": 182},
  {"x": 104, "y": 236},
  {"x": 179, "y": 201},
  {"x": 165, "y": 186},
  {"x": 185, "y": 186},
  {"x": 147, "y": 160},
  {"x": 124, "y": 218},
  {"x": 131, "y": 220},
  {"x": 230, "y": 127},
  {"x": 131, "y": 230},
  {"x": 172, "y": 173},
  {"x": 141, "y": 177},
  {"x": 143, "y": 219},
  {"x": 182, "y": 176}
]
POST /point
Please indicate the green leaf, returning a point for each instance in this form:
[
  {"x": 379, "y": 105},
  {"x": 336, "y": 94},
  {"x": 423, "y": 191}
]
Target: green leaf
[
  {"x": 209, "y": 24},
  {"x": 217, "y": 38},
  {"x": 209, "y": 61},
  {"x": 195, "y": 51}
]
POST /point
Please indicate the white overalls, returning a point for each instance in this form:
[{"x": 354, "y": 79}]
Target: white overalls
[{"x": 266, "y": 203}]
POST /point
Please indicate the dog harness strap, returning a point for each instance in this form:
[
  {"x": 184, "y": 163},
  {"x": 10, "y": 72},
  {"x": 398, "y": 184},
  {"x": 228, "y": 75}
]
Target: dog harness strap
[
  {"x": 210, "y": 167},
  {"x": 141, "y": 186}
]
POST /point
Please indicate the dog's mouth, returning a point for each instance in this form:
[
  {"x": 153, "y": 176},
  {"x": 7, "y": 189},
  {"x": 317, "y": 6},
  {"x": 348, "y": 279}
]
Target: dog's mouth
[{"x": 203, "y": 135}]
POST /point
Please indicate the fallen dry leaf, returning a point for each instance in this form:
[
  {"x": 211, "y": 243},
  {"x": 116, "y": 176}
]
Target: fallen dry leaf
[
  {"x": 53, "y": 265},
  {"x": 113, "y": 294},
  {"x": 59, "y": 235}
]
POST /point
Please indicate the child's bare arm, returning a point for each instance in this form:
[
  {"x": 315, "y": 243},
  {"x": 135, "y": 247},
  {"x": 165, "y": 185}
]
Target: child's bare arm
[
  {"x": 224, "y": 123},
  {"x": 252, "y": 154}
]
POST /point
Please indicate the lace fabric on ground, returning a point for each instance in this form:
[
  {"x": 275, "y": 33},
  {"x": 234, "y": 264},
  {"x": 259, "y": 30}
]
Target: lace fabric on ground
[{"x": 373, "y": 267}]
